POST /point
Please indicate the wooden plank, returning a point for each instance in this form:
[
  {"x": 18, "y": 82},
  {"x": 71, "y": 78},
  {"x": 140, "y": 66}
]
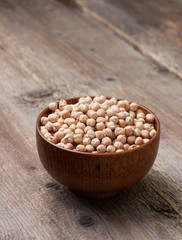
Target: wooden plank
[
  {"x": 151, "y": 27},
  {"x": 55, "y": 58}
]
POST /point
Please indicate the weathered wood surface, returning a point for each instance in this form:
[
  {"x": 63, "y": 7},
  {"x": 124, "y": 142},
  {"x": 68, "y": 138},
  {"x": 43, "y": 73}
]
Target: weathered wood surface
[{"x": 59, "y": 49}]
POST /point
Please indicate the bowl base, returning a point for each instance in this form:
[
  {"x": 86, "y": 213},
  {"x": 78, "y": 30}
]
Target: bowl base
[{"x": 96, "y": 195}]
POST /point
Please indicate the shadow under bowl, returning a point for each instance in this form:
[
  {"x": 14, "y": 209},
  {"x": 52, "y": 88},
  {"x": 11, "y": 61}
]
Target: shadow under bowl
[{"x": 96, "y": 175}]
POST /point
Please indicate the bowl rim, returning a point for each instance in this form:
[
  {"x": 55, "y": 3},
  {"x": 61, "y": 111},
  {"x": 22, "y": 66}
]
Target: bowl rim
[{"x": 99, "y": 154}]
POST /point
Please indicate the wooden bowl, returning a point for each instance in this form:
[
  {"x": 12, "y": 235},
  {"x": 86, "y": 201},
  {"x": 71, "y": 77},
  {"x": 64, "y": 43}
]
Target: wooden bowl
[{"x": 101, "y": 175}]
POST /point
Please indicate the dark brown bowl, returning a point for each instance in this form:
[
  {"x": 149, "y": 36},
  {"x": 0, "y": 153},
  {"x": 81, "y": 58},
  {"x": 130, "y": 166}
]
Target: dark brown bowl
[{"x": 96, "y": 175}]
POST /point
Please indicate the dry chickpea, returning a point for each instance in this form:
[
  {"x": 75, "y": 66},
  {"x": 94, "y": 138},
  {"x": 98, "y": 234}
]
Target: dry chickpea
[
  {"x": 53, "y": 117},
  {"x": 47, "y": 135},
  {"x": 100, "y": 134},
  {"x": 101, "y": 112},
  {"x": 110, "y": 112},
  {"x": 43, "y": 130},
  {"x": 114, "y": 119},
  {"x": 118, "y": 145},
  {"x": 94, "y": 106},
  {"x": 57, "y": 112},
  {"x": 79, "y": 131},
  {"x": 65, "y": 114},
  {"x": 56, "y": 126},
  {"x": 95, "y": 142},
  {"x": 65, "y": 126},
  {"x": 141, "y": 115},
  {"x": 67, "y": 131},
  {"x": 82, "y": 100},
  {"x": 120, "y": 150},
  {"x": 69, "y": 146},
  {"x": 66, "y": 120},
  {"x": 150, "y": 118},
  {"x": 108, "y": 103},
  {"x": 111, "y": 149},
  {"x": 128, "y": 130},
  {"x": 147, "y": 126},
  {"x": 145, "y": 140},
  {"x": 44, "y": 120},
  {"x": 68, "y": 138},
  {"x": 104, "y": 106},
  {"x": 68, "y": 107},
  {"x": 129, "y": 121},
  {"x": 83, "y": 118},
  {"x": 61, "y": 121},
  {"x": 100, "y": 126},
  {"x": 101, "y": 148},
  {"x": 89, "y": 148},
  {"x": 137, "y": 132},
  {"x": 121, "y": 104},
  {"x": 132, "y": 147},
  {"x": 122, "y": 123},
  {"x": 87, "y": 128},
  {"x": 121, "y": 138},
  {"x": 90, "y": 134},
  {"x": 133, "y": 106},
  {"x": 59, "y": 135},
  {"x": 139, "y": 125},
  {"x": 90, "y": 122},
  {"x": 127, "y": 105},
  {"x": 108, "y": 132},
  {"x": 145, "y": 134},
  {"x": 138, "y": 141},
  {"x": 122, "y": 115},
  {"x": 77, "y": 138},
  {"x": 110, "y": 125},
  {"x": 71, "y": 121},
  {"x": 115, "y": 108},
  {"x": 72, "y": 127},
  {"x": 113, "y": 101},
  {"x": 100, "y": 119},
  {"x": 84, "y": 108},
  {"x": 52, "y": 139},
  {"x": 102, "y": 99},
  {"x": 49, "y": 126},
  {"x": 80, "y": 125},
  {"x": 60, "y": 144},
  {"x": 77, "y": 115},
  {"x": 119, "y": 131},
  {"x": 81, "y": 148},
  {"x": 152, "y": 133},
  {"x": 92, "y": 114},
  {"x": 126, "y": 146},
  {"x": 132, "y": 114},
  {"x": 88, "y": 100},
  {"x": 141, "y": 120},
  {"x": 106, "y": 141},
  {"x": 53, "y": 106},
  {"x": 131, "y": 139},
  {"x": 86, "y": 141}
]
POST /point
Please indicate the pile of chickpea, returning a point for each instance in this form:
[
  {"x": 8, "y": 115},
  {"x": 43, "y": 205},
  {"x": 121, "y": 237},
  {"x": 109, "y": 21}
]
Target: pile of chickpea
[{"x": 98, "y": 125}]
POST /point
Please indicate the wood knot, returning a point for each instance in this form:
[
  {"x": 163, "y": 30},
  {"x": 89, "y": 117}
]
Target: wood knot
[{"x": 86, "y": 221}]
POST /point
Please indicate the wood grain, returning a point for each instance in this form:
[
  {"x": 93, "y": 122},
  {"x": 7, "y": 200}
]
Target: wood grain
[{"x": 50, "y": 50}]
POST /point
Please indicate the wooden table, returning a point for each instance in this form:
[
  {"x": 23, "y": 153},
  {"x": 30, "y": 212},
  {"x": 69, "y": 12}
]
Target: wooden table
[{"x": 59, "y": 49}]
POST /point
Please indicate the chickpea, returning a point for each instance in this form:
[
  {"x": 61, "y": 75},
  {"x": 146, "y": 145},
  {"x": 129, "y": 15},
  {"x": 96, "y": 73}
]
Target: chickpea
[
  {"x": 90, "y": 134},
  {"x": 52, "y": 139},
  {"x": 111, "y": 149},
  {"x": 62, "y": 104},
  {"x": 113, "y": 101},
  {"x": 152, "y": 133},
  {"x": 92, "y": 114},
  {"x": 67, "y": 131},
  {"x": 128, "y": 130},
  {"x": 89, "y": 148},
  {"x": 69, "y": 146},
  {"x": 131, "y": 139},
  {"x": 132, "y": 114},
  {"x": 145, "y": 134},
  {"x": 114, "y": 119},
  {"x": 44, "y": 120},
  {"x": 129, "y": 121},
  {"x": 53, "y": 106},
  {"x": 100, "y": 134},
  {"x": 77, "y": 138},
  {"x": 72, "y": 127},
  {"x": 138, "y": 141},
  {"x": 88, "y": 100},
  {"x": 104, "y": 107},
  {"x": 65, "y": 114},
  {"x": 115, "y": 108},
  {"x": 139, "y": 125},
  {"x": 53, "y": 117},
  {"x": 102, "y": 99},
  {"x": 110, "y": 112},
  {"x": 141, "y": 120},
  {"x": 94, "y": 106},
  {"x": 59, "y": 135},
  {"x": 108, "y": 132},
  {"x": 60, "y": 144},
  {"x": 100, "y": 126},
  {"x": 145, "y": 140},
  {"x": 43, "y": 130},
  {"x": 80, "y": 125},
  {"x": 122, "y": 115},
  {"x": 87, "y": 128},
  {"x": 86, "y": 141},
  {"x": 106, "y": 141},
  {"x": 83, "y": 118},
  {"x": 101, "y": 112},
  {"x": 101, "y": 148},
  {"x": 121, "y": 104},
  {"x": 91, "y": 122},
  {"x": 84, "y": 108},
  {"x": 121, "y": 138},
  {"x": 126, "y": 146},
  {"x": 108, "y": 103},
  {"x": 110, "y": 125},
  {"x": 68, "y": 107},
  {"x": 61, "y": 121},
  {"x": 120, "y": 150},
  {"x": 65, "y": 126},
  {"x": 68, "y": 139},
  {"x": 150, "y": 118},
  {"x": 56, "y": 126},
  {"x": 119, "y": 131},
  {"x": 133, "y": 106},
  {"x": 132, "y": 147},
  {"x": 127, "y": 105},
  {"x": 122, "y": 123},
  {"x": 141, "y": 115},
  {"x": 49, "y": 126},
  {"x": 95, "y": 142},
  {"x": 81, "y": 148},
  {"x": 118, "y": 145},
  {"x": 137, "y": 132},
  {"x": 79, "y": 131},
  {"x": 100, "y": 119}
]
